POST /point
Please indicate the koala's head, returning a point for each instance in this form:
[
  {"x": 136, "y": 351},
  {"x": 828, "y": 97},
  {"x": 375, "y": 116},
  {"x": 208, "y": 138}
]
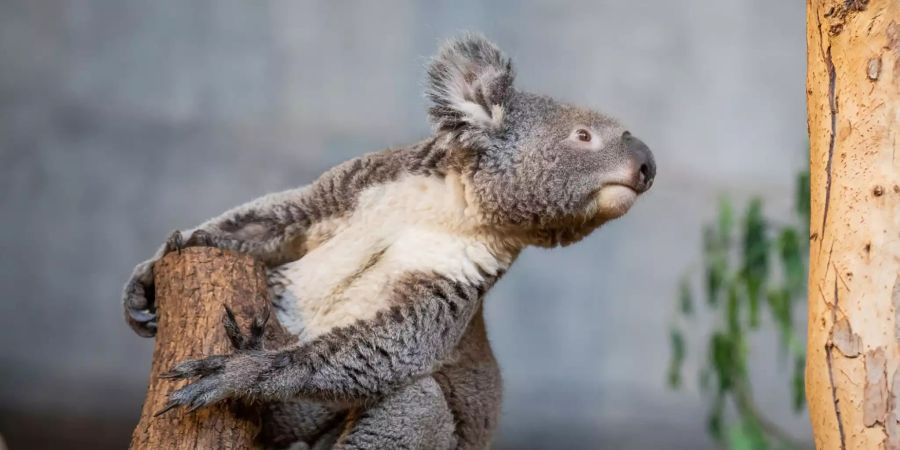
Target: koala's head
[{"x": 533, "y": 166}]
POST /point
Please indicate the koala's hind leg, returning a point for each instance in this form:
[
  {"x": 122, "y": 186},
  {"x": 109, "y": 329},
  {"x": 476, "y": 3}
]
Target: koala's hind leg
[
  {"x": 415, "y": 417},
  {"x": 296, "y": 421}
]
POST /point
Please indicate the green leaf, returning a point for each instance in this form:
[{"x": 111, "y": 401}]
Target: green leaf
[
  {"x": 797, "y": 383},
  {"x": 802, "y": 196},
  {"x": 746, "y": 435},
  {"x": 740, "y": 358},
  {"x": 715, "y": 277},
  {"x": 781, "y": 310},
  {"x": 676, "y": 340},
  {"x": 685, "y": 297},
  {"x": 792, "y": 260},
  {"x": 726, "y": 221},
  {"x": 714, "y": 420},
  {"x": 755, "y": 257},
  {"x": 754, "y": 310},
  {"x": 733, "y": 311},
  {"x": 722, "y": 354},
  {"x": 715, "y": 264}
]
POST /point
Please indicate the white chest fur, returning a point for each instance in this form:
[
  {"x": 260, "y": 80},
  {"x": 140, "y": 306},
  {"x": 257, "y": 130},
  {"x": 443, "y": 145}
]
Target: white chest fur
[{"x": 415, "y": 224}]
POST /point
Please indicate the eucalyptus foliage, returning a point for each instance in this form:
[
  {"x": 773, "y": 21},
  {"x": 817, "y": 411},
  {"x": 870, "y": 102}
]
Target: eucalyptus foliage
[{"x": 752, "y": 265}]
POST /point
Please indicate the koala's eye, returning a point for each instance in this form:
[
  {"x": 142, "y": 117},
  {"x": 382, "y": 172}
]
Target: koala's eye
[{"x": 583, "y": 135}]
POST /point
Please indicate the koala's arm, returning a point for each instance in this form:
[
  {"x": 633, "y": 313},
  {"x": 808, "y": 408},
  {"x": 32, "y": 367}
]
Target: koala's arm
[
  {"x": 274, "y": 228},
  {"x": 350, "y": 365},
  {"x": 267, "y": 228}
]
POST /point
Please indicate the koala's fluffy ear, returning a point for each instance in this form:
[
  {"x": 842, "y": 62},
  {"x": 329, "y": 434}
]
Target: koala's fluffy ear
[{"x": 470, "y": 81}]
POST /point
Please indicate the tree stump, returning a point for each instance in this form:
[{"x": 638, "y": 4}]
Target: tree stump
[{"x": 191, "y": 288}]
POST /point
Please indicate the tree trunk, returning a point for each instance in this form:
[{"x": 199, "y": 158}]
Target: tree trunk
[
  {"x": 191, "y": 289},
  {"x": 853, "y": 93}
]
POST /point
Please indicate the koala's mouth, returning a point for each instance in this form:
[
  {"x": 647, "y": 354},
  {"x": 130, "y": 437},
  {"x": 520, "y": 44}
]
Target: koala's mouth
[
  {"x": 614, "y": 200},
  {"x": 620, "y": 185}
]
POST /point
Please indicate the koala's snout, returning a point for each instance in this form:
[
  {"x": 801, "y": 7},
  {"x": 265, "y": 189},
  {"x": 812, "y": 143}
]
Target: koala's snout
[{"x": 642, "y": 161}]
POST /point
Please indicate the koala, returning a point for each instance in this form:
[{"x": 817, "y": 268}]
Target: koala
[{"x": 380, "y": 266}]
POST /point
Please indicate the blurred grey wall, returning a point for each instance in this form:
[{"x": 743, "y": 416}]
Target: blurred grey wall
[{"x": 122, "y": 120}]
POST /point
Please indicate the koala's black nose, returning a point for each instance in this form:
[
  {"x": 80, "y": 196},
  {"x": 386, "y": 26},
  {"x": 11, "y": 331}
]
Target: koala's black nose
[{"x": 643, "y": 161}]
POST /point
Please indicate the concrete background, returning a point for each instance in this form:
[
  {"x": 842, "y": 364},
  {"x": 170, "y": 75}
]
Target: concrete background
[{"x": 122, "y": 120}]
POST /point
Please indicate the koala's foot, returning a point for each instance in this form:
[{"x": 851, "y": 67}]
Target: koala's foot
[
  {"x": 296, "y": 422},
  {"x": 240, "y": 341},
  {"x": 415, "y": 417}
]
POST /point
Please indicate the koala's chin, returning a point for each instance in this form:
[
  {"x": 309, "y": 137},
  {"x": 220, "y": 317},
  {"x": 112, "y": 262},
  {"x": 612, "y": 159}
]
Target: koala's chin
[{"x": 613, "y": 201}]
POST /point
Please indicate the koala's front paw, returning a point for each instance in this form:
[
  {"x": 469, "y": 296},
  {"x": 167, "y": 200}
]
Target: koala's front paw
[
  {"x": 198, "y": 238},
  {"x": 138, "y": 298},
  {"x": 224, "y": 376},
  {"x": 219, "y": 378},
  {"x": 139, "y": 301}
]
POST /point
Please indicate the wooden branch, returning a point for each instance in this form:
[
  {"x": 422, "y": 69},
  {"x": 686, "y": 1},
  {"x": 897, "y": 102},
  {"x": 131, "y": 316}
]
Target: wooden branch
[{"x": 191, "y": 288}]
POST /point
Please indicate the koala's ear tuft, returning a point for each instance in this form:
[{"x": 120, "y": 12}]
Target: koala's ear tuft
[{"x": 470, "y": 81}]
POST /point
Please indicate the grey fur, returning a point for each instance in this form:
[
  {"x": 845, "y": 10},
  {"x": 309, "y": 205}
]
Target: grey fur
[
  {"x": 353, "y": 365},
  {"x": 273, "y": 227},
  {"x": 284, "y": 423},
  {"x": 414, "y": 417},
  {"x": 469, "y": 69},
  {"x": 420, "y": 373}
]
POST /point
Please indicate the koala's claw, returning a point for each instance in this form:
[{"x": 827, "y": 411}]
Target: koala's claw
[
  {"x": 142, "y": 322},
  {"x": 175, "y": 242},
  {"x": 214, "y": 372},
  {"x": 201, "y": 393},
  {"x": 139, "y": 311},
  {"x": 197, "y": 367},
  {"x": 144, "y": 328},
  {"x": 200, "y": 238},
  {"x": 241, "y": 342},
  {"x": 144, "y": 316},
  {"x": 218, "y": 378}
]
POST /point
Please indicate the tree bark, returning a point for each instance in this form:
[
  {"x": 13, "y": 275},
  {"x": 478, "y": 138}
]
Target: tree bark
[
  {"x": 191, "y": 288},
  {"x": 853, "y": 352}
]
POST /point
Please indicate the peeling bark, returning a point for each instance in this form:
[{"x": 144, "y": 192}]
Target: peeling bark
[
  {"x": 875, "y": 392},
  {"x": 843, "y": 337},
  {"x": 829, "y": 354},
  {"x": 892, "y": 421},
  {"x": 853, "y": 100}
]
